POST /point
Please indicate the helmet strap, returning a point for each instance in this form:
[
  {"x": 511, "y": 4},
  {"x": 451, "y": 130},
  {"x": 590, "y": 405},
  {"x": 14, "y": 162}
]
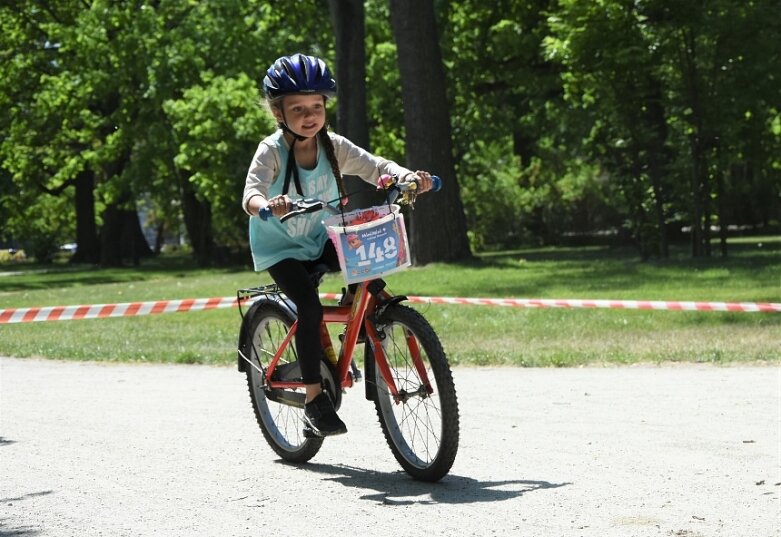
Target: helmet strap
[{"x": 285, "y": 128}]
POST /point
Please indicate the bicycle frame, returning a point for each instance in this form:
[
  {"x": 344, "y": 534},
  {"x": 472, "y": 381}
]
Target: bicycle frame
[{"x": 369, "y": 297}]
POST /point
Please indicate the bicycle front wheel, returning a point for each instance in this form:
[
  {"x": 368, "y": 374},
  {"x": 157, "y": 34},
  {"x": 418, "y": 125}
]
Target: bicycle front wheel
[
  {"x": 279, "y": 420},
  {"x": 421, "y": 424}
]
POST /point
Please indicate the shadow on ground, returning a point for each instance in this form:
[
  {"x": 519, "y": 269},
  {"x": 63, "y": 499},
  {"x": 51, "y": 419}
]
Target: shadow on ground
[{"x": 397, "y": 488}]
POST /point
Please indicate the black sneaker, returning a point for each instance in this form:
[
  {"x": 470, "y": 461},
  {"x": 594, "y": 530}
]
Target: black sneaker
[{"x": 321, "y": 419}]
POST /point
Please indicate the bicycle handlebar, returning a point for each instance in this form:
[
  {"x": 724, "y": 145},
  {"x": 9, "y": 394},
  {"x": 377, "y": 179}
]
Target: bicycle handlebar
[
  {"x": 386, "y": 182},
  {"x": 302, "y": 206}
]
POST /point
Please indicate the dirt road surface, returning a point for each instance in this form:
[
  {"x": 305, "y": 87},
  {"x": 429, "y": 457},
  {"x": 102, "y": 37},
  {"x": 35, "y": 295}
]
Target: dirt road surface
[{"x": 89, "y": 449}]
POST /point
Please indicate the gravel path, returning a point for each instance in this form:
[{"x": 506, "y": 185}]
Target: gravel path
[{"x": 91, "y": 449}]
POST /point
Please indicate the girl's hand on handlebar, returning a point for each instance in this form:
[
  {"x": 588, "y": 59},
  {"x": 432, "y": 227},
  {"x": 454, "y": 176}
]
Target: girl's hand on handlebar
[
  {"x": 424, "y": 181},
  {"x": 405, "y": 191},
  {"x": 279, "y": 205}
]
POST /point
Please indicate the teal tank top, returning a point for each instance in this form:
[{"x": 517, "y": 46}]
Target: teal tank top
[{"x": 302, "y": 237}]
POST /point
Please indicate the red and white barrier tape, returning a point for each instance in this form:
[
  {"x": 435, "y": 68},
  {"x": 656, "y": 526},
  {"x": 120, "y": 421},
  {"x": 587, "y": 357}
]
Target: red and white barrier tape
[
  {"x": 131, "y": 309},
  {"x": 745, "y": 307},
  {"x": 99, "y": 311}
]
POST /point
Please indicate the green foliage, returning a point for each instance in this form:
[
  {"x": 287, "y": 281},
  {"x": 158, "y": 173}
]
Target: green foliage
[
  {"x": 87, "y": 85},
  {"x": 213, "y": 124},
  {"x": 383, "y": 84},
  {"x": 567, "y": 117},
  {"x": 44, "y": 225},
  {"x": 675, "y": 117}
]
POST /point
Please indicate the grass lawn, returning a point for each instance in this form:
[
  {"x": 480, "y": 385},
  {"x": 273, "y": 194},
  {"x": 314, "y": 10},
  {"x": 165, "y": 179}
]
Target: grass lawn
[{"x": 470, "y": 334}]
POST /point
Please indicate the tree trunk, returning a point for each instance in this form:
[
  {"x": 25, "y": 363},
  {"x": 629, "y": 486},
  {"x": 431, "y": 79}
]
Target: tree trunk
[
  {"x": 198, "y": 222},
  {"x": 523, "y": 147},
  {"x": 110, "y": 255},
  {"x": 658, "y": 160},
  {"x": 87, "y": 241},
  {"x": 348, "y": 19},
  {"x": 723, "y": 220},
  {"x": 640, "y": 218},
  {"x": 699, "y": 164},
  {"x": 122, "y": 238},
  {"x": 438, "y": 225},
  {"x": 696, "y": 200}
]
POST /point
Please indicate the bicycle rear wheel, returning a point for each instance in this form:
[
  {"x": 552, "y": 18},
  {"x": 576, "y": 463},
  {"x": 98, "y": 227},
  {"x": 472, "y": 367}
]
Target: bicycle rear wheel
[
  {"x": 420, "y": 426},
  {"x": 280, "y": 421}
]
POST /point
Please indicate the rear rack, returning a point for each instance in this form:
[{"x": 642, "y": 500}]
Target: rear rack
[
  {"x": 243, "y": 296},
  {"x": 248, "y": 294}
]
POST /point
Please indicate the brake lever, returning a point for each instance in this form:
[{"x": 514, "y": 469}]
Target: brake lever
[{"x": 303, "y": 206}]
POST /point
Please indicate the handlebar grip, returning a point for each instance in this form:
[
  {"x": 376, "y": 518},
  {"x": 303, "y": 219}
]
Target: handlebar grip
[
  {"x": 386, "y": 180},
  {"x": 265, "y": 213}
]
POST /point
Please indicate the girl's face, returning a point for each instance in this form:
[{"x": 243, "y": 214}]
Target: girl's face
[{"x": 304, "y": 114}]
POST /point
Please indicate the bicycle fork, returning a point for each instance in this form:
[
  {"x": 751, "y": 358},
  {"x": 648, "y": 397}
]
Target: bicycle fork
[{"x": 375, "y": 338}]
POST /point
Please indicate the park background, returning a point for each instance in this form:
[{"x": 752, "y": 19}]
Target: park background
[{"x": 613, "y": 149}]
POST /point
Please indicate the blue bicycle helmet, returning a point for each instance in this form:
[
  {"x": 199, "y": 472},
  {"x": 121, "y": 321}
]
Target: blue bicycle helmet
[{"x": 298, "y": 74}]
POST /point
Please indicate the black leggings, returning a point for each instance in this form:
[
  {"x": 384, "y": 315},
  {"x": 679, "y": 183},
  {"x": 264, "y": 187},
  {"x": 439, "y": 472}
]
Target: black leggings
[{"x": 294, "y": 278}]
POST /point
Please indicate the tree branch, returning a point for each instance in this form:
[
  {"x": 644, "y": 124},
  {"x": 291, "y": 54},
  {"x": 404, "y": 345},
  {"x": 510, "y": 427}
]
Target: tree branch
[{"x": 59, "y": 190}]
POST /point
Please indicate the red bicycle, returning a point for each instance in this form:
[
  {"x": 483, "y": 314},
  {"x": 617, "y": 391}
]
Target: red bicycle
[{"x": 406, "y": 371}]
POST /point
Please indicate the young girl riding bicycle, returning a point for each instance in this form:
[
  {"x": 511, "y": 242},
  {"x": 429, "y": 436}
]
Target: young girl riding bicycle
[{"x": 296, "y": 89}]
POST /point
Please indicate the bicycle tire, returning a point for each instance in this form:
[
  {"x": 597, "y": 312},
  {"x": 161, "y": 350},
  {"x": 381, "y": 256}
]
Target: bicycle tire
[
  {"x": 280, "y": 423},
  {"x": 422, "y": 429}
]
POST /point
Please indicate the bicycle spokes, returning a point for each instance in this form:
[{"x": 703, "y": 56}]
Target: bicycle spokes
[
  {"x": 402, "y": 365},
  {"x": 414, "y": 394}
]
